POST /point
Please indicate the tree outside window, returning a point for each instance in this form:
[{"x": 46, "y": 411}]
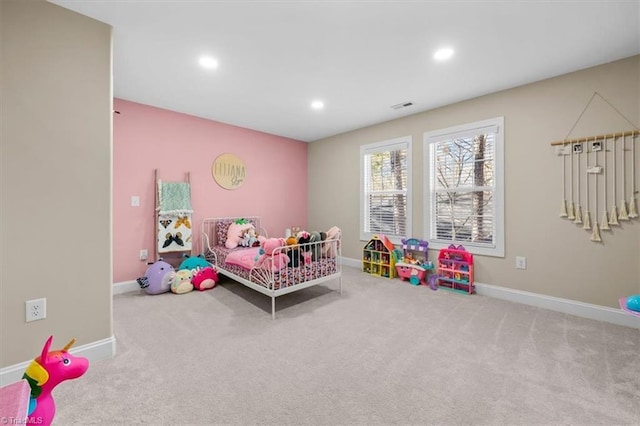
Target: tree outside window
[
  {"x": 465, "y": 190},
  {"x": 385, "y": 195}
]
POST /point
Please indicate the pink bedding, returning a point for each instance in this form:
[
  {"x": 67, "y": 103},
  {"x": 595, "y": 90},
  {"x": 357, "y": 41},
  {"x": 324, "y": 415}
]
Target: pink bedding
[
  {"x": 286, "y": 277},
  {"x": 244, "y": 258}
]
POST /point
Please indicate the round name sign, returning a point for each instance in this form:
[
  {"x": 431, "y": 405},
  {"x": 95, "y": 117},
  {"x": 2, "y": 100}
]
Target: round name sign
[{"x": 228, "y": 171}]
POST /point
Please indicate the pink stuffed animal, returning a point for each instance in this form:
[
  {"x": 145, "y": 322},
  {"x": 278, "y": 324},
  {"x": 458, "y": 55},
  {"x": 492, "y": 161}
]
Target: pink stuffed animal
[
  {"x": 330, "y": 249},
  {"x": 235, "y": 233},
  {"x": 269, "y": 259},
  {"x": 205, "y": 278}
]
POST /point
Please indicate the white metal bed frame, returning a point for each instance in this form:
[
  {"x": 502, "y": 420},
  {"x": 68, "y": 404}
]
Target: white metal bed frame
[{"x": 266, "y": 276}]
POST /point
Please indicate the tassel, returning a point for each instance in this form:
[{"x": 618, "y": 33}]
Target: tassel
[
  {"x": 605, "y": 222},
  {"x": 633, "y": 213},
  {"x": 563, "y": 209},
  {"x": 595, "y": 235},
  {"x": 623, "y": 211},
  {"x": 571, "y": 214},
  {"x": 578, "y": 219},
  {"x": 587, "y": 220},
  {"x": 613, "y": 217}
]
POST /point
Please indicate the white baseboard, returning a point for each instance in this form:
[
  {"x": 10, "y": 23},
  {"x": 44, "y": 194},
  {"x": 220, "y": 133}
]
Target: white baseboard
[
  {"x": 567, "y": 306},
  {"x": 356, "y": 263},
  {"x": 571, "y": 307},
  {"x": 126, "y": 287},
  {"x": 101, "y": 349}
]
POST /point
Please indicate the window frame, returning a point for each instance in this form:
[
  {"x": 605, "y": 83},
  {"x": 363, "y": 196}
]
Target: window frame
[
  {"x": 382, "y": 146},
  {"x": 497, "y": 248}
]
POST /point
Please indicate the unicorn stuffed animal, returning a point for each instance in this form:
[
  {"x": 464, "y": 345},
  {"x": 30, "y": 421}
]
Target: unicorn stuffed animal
[{"x": 45, "y": 373}]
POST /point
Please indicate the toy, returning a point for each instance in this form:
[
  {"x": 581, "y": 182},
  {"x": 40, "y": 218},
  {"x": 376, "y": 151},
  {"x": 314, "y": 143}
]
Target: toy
[
  {"x": 267, "y": 259},
  {"x": 433, "y": 281},
  {"x": 415, "y": 244},
  {"x": 304, "y": 238},
  {"x": 415, "y": 278},
  {"x": 414, "y": 265},
  {"x": 331, "y": 249},
  {"x": 205, "y": 278},
  {"x": 291, "y": 241},
  {"x": 378, "y": 256},
  {"x": 181, "y": 281},
  {"x": 44, "y": 374},
  {"x": 631, "y": 304},
  {"x": 293, "y": 251},
  {"x": 193, "y": 263},
  {"x": 316, "y": 249},
  {"x": 408, "y": 258},
  {"x": 250, "y": 238},
  {"x": 157, "y": 279},
  {"x": 236, "y": 232},
  {"x": 455, "y": 269}
]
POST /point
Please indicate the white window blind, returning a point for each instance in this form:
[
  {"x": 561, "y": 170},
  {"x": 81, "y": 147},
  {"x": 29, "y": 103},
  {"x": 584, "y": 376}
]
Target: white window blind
[
  {"x": 465, "y": 187},
  {"x": 385, "y": 189}
]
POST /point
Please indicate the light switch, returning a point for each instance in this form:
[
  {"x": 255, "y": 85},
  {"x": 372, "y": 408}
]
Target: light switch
[{"x": 135, "y": 201}]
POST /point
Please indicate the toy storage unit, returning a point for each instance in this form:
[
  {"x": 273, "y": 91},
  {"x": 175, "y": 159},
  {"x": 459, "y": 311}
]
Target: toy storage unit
[
  {"x": 455, "y": 270},
  {"x": 377, "y": 257},
  {"x": 414, "y": 266}
]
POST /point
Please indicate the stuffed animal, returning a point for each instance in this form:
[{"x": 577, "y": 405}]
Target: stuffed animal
[
  {"x": 157, "y": 279},
  {"x": 193, "y": 263},
  {"x": 316, "y": 249},
  {"x": 250, "y": 238},
  {"x": 331, "y": 249},
  {"x": 292, "y": 241},
  {"x": 205, "y": 278},
  {"x": 181, "y": 281},
  {"x": 305, "y": 249},
  {"x": 293, "y": 251},
  {"x": 267, "y": 258},
  {"x": 236, "y": 232}
]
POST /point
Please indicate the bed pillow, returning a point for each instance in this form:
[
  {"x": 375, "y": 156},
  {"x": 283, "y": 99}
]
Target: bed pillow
[
  {"x": 222, "y": 229},
  {"x": 236, "y": 233}
]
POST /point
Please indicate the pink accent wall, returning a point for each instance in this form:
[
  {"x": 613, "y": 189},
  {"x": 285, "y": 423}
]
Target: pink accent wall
[{"x": 147, "y": 138}]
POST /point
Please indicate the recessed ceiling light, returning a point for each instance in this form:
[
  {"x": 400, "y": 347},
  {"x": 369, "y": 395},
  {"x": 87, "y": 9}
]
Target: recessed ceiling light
[
  {"x": 317, "y": 105},
  {"x": 208, "y": 62},
  {"x": 443, "y": 54}
]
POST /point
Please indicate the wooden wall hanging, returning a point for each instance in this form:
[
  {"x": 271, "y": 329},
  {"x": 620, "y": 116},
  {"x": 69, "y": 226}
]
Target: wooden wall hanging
[
  {"x": 592, "y": 159},
  {"x": 229, "y": 171}
]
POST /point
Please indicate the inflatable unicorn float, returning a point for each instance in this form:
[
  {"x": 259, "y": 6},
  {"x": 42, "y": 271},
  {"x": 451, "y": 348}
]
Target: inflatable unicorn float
[{"x": 45, "y": 373}]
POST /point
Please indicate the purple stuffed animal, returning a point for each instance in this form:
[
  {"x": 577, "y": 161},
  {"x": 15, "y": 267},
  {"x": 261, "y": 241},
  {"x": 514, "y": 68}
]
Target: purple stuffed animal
[{"x": 158, "y": 278}]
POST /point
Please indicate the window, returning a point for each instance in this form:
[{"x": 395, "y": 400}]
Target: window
[
  {"x": 464, "y": 175},
  {"x": 385, "y": 189}
]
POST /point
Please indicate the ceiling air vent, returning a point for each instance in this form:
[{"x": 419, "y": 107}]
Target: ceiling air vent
[{"x": 402, "y": 105}]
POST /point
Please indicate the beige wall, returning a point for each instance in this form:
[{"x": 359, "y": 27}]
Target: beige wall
[
  {"x": 561, "y": 260},
  {"x": 56, "y": 177}
]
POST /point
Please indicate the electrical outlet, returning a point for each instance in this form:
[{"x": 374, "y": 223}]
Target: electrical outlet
[
  {"x": 521, "y": 262},
  {"x": 144, "y": 254},
  {"x": 36, "y": 309}
]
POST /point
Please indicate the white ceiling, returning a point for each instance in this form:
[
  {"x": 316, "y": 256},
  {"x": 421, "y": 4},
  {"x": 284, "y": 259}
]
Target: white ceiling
[{"x": 359, "y": 57}]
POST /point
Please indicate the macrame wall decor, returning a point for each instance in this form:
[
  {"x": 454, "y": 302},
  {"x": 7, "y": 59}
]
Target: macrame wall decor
[{"x": 602, "y": 163}]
